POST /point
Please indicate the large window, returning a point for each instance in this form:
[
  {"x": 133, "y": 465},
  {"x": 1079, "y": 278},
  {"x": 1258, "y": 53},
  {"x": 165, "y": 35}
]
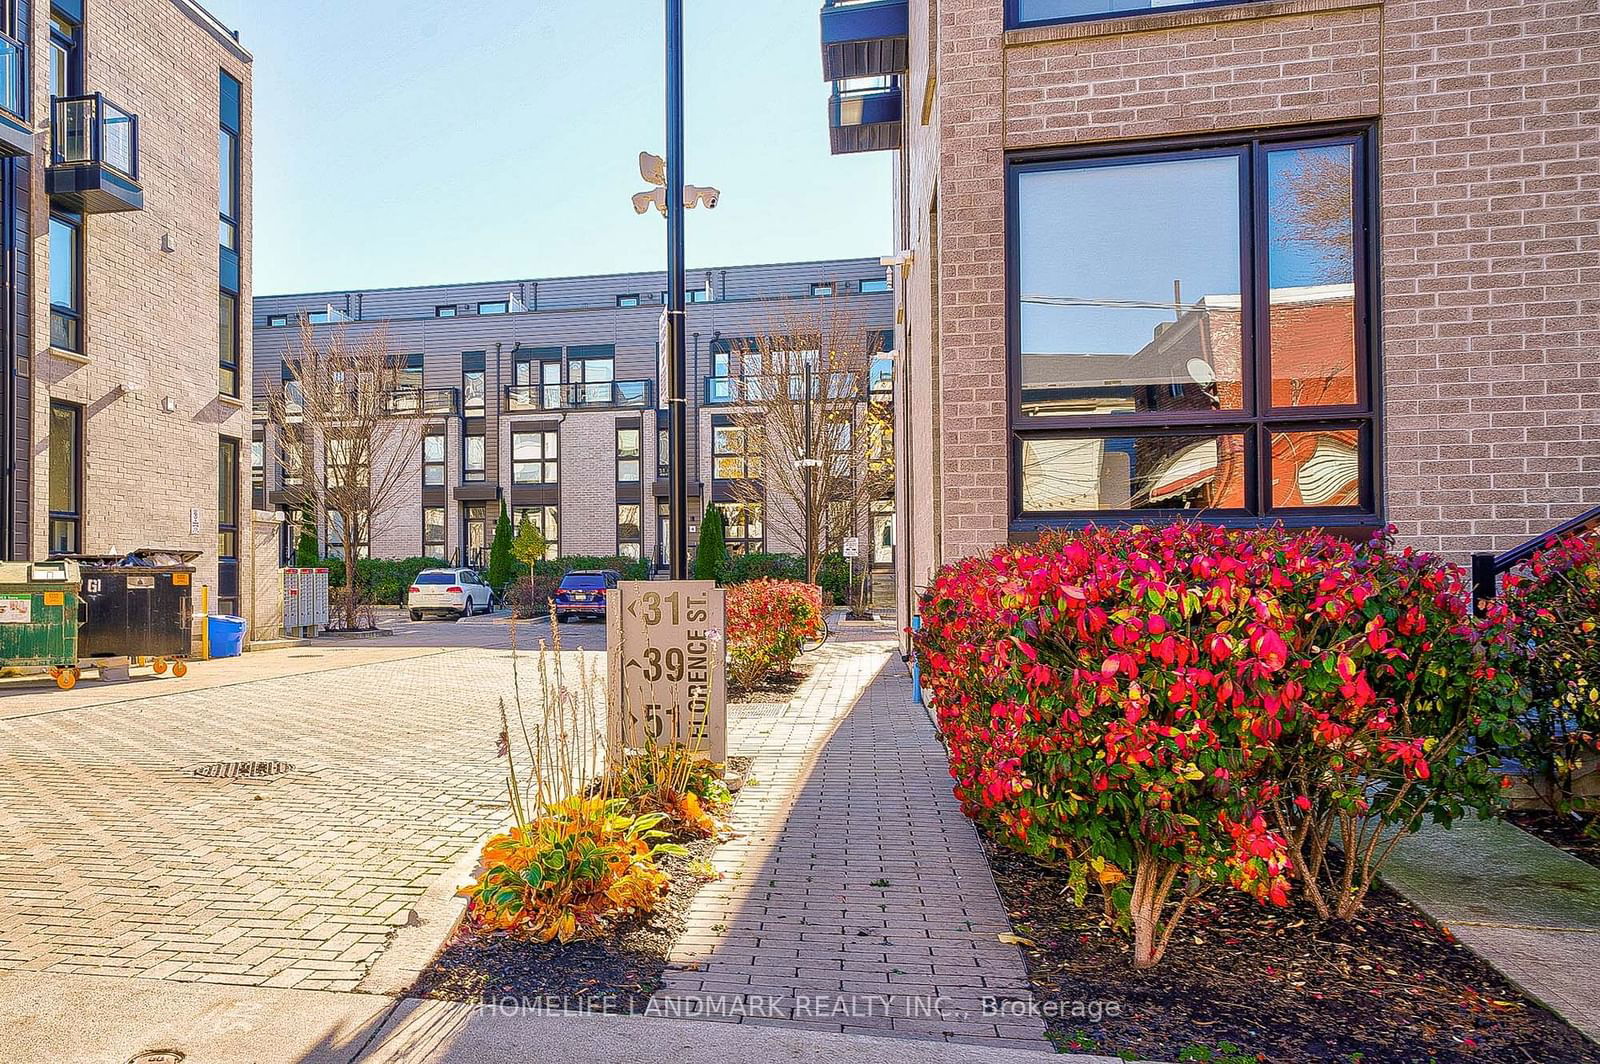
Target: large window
[
  {"x": 547, "y": 519},
  {"x": 472, "y": 382},
  {"x": 630, "y": 533},
  {"x": 66, "y": 281},
  {"x": 1036, "y": 12},
  {"x": 433, "y": 524},
  {"x": 227, "y": 342},
  {"x": 472, "y": 459},
  {"x": 66, "y": 478},
  {"x": 433, "y": 461},
  {"x": 628, "y": 451},
  {"x": 535, "y": 457},
  {"x": 227, "y": 515},
  {"x": 1190, "y": 333},
  {"x": 229, "y": 127},
  {"x": 735, "y": 453},
  {"x": 591, "y": 371},
  {"x": 745, "y": 531}
]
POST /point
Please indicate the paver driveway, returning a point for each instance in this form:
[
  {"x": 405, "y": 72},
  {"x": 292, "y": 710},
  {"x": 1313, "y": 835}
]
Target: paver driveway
[{"x": 116, "y": 859}]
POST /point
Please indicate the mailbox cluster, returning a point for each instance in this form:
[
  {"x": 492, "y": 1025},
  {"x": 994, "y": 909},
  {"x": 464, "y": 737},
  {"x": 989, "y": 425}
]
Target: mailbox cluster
[{"x": 305, "y": 600}]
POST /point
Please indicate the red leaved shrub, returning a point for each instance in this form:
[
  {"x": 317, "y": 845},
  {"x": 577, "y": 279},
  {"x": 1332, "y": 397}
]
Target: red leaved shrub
[
  {"x": 1172, "y": 705},
  {"x": 769, "y": 623}
]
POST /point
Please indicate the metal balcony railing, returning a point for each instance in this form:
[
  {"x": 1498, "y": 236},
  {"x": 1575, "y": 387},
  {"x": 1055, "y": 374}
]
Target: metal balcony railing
[
  {"x": 864, "y": 37},
  {"x": 431, "y": 401},
  {"x": 1488, "y": 568}
]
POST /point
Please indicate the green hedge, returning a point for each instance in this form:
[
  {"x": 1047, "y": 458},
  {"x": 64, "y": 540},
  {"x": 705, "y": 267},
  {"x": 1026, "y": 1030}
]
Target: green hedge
[
  {"x": 383, "y": 580},
  {"x": 833, "y": 574},
  {"x": 630, "y": 569}
]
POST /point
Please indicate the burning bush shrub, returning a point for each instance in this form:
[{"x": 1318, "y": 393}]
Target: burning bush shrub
[
  {"x": 1172, "y": 707},
  {"x": 769, "y": 623},
  {"x": 1553, "y": 604}
]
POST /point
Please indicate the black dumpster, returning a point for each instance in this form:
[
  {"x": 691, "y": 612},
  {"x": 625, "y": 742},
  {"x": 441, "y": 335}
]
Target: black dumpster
[{"x": 137, "y": 605}]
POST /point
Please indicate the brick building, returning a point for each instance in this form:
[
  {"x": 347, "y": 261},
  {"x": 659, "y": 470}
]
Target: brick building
[
  {"x": 1323, "y": 262},
  {"x": 543, "y": 394},
  {"x": 124, "y": 262}
]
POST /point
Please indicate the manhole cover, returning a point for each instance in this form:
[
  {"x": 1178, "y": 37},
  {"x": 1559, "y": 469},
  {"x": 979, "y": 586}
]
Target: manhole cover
[
  {"x": 157, "y": 1056},
  {"x": 241, "y": 770}
]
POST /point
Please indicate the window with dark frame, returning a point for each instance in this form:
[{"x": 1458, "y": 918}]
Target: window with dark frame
[
  {"x": 433, "y": 526},
  {"x": 630, "y": 531},
  {"x": 277, "y": 321},
  {"x": 592, "y": 372},
  {"x": 547, "y": 519},
  {"x": 629, "y": 445},
  {"x": 433, "y": 460},
  {"x": 66, "y": 54},
  {"x": 445, "y": 310},
  {"x": 228, "y": 512},
  {"x": 473, "y": 379},
  {"x": 535, "y": 457},
  {"x": 66, "y": 281},
  {"x": 735, "y": 452},
  {"x": 66, "y": 478},
  {"x": 631, "y": 300},
  {"x": 227, "y": 343},
  {"x": 1191, "y": 333},
  {"x": 745, "y": 531},
  {"x": 663, "y": 453},
  {"x": 873, "y": 285},
  {"x": 472, "y": 459},
  {"x": 1020, "y": 13},
  {"x": 230, "y": 127},
  {"x": 497, "y": 307},
  {"x": 822, "y": 288}
]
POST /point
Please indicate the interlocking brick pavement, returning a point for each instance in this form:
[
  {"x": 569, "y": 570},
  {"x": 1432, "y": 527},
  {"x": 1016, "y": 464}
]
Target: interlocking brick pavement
[
  {"x": 115, "y": 859},
  {"x": 857, "y": 897}
]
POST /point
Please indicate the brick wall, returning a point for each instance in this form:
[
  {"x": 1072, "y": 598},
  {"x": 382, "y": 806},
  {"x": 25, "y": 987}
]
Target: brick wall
[
  {"x": 1490, "y": 199},
  {"x": 150, "y": 323}
]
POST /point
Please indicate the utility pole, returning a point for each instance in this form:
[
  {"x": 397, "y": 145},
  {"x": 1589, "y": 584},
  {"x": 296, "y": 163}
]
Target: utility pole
[{"x": 677, "y": 360}]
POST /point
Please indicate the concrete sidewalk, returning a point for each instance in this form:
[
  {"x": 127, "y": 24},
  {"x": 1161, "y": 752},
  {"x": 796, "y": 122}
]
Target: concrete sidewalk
[
  {"x": 856, "y": 897},
  {"x": 1529, "y": 909},
  {"x": 99, "y": 1020}
]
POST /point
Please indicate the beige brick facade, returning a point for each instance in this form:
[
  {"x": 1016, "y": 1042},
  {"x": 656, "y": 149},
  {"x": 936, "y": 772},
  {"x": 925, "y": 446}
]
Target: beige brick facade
[
  {"x": 147, "y": 377},
  {"x": 1488, "y": 194}
]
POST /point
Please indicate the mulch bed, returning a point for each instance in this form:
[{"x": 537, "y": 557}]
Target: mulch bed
[
  {"x": 1278, "y": 984},
  {"x": 613, "y": 974},
  {"x": 1564, "y": 832},
  {"x": 617, "y": 973}
]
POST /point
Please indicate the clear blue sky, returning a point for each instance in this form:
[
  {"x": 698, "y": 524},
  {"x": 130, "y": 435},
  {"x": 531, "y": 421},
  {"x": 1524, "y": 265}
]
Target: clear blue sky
[{"x": 403, "y": 142}]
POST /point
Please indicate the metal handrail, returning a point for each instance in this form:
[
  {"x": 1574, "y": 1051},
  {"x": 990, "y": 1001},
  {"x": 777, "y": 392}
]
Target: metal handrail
[{"x": 1488, "y": 568}]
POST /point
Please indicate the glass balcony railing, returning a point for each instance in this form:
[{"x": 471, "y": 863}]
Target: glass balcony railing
[
  {"x": 13, "y": 77},
  {"x": 436, "y": 401},
  {"x": 521, "y": 398},
  {"x": 93, "y": 130},
  {"x": 630, "y": 393}
]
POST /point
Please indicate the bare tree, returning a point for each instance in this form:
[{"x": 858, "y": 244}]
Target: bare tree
[
  {"x": 1315, "y": 211},
  {"x": 346, "y": 431},
  {"x": 818, "y": 443}
]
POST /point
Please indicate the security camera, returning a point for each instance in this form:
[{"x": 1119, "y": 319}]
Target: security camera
[{"x": 704, "y": 196}]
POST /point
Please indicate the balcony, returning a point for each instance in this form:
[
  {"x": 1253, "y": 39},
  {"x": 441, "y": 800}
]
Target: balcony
[
  {"x": 864, "y": 38},
  {"x": 428, "y": 402},
  {"x": 864, "y": 115},
  {"x": 94, "y": 156},
  {"x": 16, "y": 130},
  {"x": 525, "y": 398}
]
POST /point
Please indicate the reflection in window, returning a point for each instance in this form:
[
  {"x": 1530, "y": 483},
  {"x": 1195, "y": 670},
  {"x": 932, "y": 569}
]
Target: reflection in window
[
  {"x": 629, "y": 531},
  {"x": 744, "y": 526},
  {"x": 1316, "y": 468},
  {"x": 433, "y": 532},
  {"x": 547, "y": 520},
  {"x": 735, "y": 453},
  {"x": 1091, "y": 473},
  {"x": 1129, "y": 278},
  {"x": 1311, "y": 259},
  {"x": 534, "y": 458},
  {"x": 628, "y": 444},
  {"x": 66, "y": 478},
  {"x": 433, "y": 460},
  {"x": 472, "y": 469}
]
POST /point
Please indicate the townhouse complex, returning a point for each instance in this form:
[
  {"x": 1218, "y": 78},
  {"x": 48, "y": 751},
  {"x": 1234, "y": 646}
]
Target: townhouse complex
[
  {"x": 1318, "y": 262},
  {"x": 124, "y": 265},
  {"x": 544, "y": 395}
]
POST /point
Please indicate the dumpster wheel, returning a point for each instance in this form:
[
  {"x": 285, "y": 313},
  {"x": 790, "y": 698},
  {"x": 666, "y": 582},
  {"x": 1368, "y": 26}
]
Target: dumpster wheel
[
  {"x": 66, "y": 679},
  {"x": 160, "y": 666},
  {"x": 179, "y": 668}
]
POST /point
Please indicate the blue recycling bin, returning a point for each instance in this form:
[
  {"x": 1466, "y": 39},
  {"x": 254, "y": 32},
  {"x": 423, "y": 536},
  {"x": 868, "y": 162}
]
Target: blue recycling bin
[{"x": 226, "y": 634}]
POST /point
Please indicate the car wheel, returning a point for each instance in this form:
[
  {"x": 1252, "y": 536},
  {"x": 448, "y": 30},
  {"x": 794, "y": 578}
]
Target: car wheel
[{"x": 416, "y": 615}]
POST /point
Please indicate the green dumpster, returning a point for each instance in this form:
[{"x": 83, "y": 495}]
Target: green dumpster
[{"x": 39, "y": 617}]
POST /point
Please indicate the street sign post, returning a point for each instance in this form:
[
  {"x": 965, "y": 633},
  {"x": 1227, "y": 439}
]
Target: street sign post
[
  {"x": 852, "y": 547},
  {"x": 667, "y": 666}
]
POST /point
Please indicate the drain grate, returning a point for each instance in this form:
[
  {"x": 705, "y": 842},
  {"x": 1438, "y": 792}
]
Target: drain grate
[
  {"x": 242, "y": 770},
  {"x": 157, "y": 1056}
]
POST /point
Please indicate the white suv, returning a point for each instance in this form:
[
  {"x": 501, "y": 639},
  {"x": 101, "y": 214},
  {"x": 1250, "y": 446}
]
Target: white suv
[{"x": 454, "y": 591}]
